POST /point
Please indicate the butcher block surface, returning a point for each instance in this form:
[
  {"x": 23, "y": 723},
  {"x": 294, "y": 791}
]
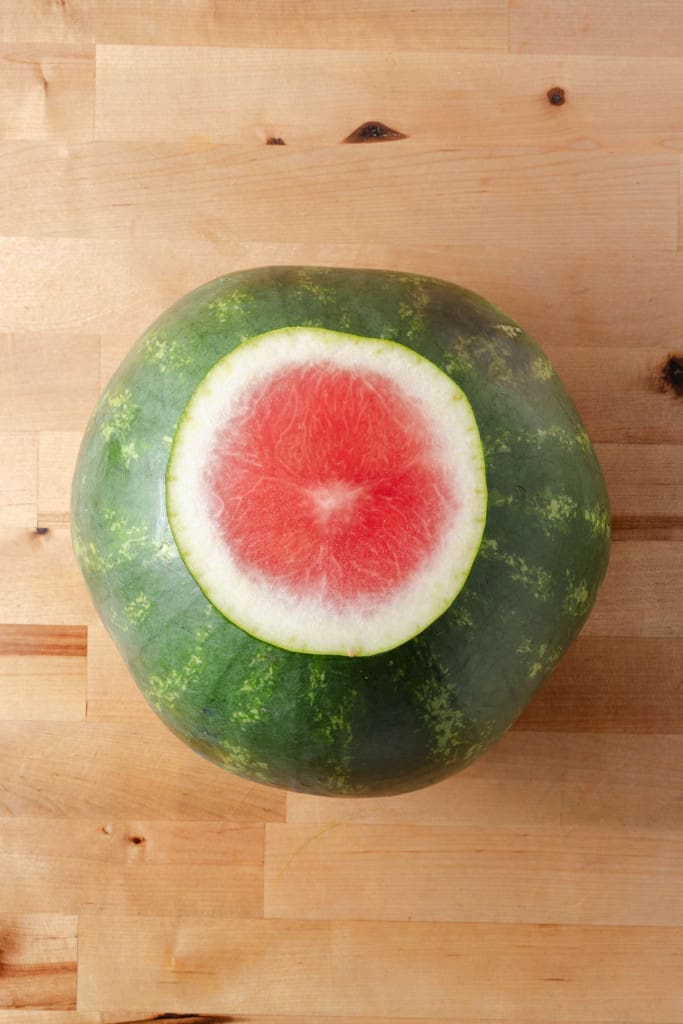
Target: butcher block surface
[{"x": 528, "y": 149}]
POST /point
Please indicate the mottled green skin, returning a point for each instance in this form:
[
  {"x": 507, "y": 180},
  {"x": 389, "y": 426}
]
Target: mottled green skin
[{"x": 330, "y": 724}]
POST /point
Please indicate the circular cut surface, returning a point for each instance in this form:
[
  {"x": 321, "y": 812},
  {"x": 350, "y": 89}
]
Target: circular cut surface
[{"x": 327, "y": 492}]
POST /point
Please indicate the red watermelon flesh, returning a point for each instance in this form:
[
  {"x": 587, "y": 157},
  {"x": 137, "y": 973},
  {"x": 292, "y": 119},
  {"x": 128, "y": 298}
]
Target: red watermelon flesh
[{"x": 326, "y": 480}]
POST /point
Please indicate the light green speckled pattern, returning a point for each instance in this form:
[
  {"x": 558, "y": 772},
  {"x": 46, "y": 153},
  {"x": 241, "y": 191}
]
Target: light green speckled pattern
[{"x": 331, "y": 724}]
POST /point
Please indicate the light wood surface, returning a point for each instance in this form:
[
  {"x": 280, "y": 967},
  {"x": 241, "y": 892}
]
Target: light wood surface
[{"x": 136, "y": 880}]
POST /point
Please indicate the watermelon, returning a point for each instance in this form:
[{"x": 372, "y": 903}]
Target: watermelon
[{"x": 340, "y": 523}]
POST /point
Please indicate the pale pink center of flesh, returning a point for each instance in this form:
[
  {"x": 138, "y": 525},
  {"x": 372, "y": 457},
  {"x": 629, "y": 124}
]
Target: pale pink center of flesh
[{"x": 327, "y": 481}]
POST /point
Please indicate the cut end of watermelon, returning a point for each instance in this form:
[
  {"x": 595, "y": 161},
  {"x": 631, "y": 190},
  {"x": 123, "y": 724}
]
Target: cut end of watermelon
[{"x": 328, "y": 492}]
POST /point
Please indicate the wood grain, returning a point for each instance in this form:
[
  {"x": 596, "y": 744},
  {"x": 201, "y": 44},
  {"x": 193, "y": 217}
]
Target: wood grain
[
  {"x": 624, "y": 306},
  {"x": 38, "y": 961},
  {"x": 640, "y": 596},
  {"x": 387, "y": 968},
  {"x": 645, "y": 483},
  {"x": 152, "y": 93},
  {"x": 64, "y": 641},
  {"x": 43, "y": 672},
  {"x": 387, "y": 24},
  {"x": 400, "y": 193},
  {"x": 580, "y": 26},
  {"x": 19, "y": 489},
  {"x": 620, "y": 684},
  {"x": 623, "y": 401},
  {"x": 52, "y": 590},
  {"x": 33, "y": 396},
  {"x": 391, "y": 872},
  {"x": 57, "y": 451},
  {"x": 48, "y": 92},
  {"x": 97, "y": 1017},
  {"x": 139, "y": 882},
  {"x": 42, "y": 689},
  {"x": 164, "y": 781},
  {"x": 70, "y": 866}
]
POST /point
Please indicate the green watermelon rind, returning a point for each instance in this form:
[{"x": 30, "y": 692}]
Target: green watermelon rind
[{"x": 327, "y": 724}]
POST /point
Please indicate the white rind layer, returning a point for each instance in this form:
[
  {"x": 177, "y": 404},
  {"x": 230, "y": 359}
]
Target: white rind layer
[{"x": 270, "y": 612}]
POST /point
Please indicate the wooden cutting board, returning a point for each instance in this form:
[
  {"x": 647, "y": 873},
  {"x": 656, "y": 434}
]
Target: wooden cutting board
[{"x": 530, "y": 150}]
